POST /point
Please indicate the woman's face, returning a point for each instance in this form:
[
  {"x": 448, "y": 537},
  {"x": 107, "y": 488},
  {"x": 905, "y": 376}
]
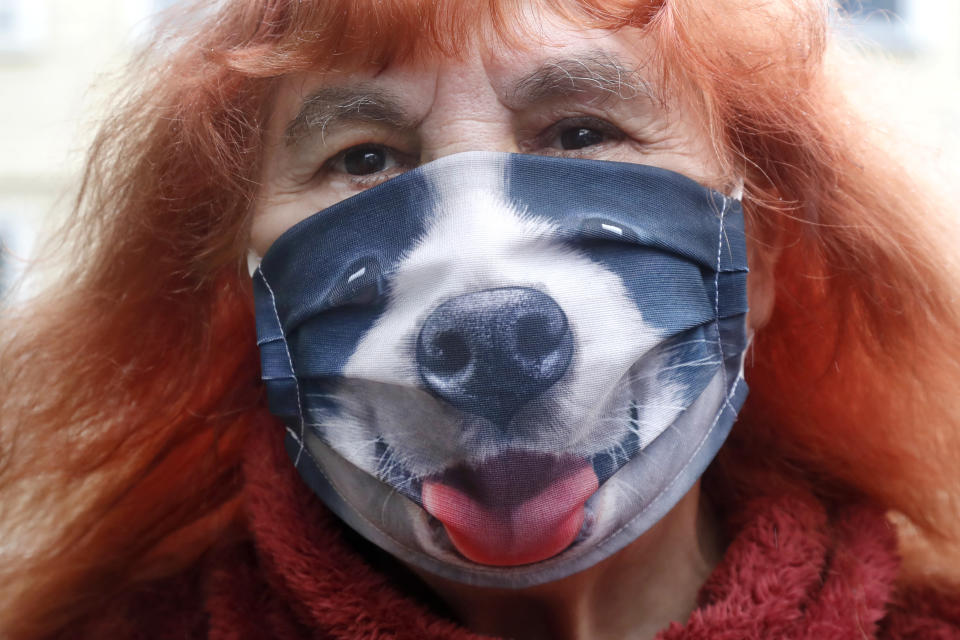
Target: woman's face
[
  {"x": 582, "y": 94},
  {"x": 577, "y": 94}
]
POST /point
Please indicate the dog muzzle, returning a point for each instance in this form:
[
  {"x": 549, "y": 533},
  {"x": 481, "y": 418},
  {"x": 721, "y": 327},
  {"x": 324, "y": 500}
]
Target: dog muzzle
[{"x": 504, "y": 368}]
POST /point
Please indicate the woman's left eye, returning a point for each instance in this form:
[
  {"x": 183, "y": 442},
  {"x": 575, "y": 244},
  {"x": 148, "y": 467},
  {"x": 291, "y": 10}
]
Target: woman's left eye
[
  {"x": 579, "y": 133},
  {"x": 580, "y": 137}
]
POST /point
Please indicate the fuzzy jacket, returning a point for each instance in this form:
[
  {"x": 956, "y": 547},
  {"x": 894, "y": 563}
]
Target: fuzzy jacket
[{"x": 793, "y": 569}]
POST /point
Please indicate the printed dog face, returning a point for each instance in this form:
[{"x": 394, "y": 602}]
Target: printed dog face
[
  {"x": 508, "y": 370},
  {"x": 478, "y": 241}
]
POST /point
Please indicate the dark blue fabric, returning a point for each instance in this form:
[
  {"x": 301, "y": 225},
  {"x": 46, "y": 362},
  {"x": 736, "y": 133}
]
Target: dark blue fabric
[
  {"x": 677, "y": 247},
  {"x": 668, "y": 250}
]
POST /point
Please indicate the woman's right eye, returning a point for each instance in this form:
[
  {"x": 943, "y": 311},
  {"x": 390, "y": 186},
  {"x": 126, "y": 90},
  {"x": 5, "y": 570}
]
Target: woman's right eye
[
  {"x": 360, "y": 161},
  {"x": 365, "y": 160}
]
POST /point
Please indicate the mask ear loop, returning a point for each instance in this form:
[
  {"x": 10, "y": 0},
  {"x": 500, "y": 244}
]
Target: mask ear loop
[
  {"x": 253, "y": 261},
  {"x": 736, "y": 193}
]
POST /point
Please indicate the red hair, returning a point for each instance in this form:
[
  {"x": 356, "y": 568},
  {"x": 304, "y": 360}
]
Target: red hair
[{"x": 128, "y": 390}]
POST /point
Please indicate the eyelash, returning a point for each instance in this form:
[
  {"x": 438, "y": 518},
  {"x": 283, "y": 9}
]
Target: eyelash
[
  {"x": 402, "y": 160},
  {"x": 541, "y": 143},
  {"x": 554, "y": 132}
]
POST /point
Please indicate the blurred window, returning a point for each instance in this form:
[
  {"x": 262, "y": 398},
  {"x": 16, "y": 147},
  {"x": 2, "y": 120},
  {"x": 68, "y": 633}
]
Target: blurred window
[
  {"x": 145, "y": 16},
  {"x": 16, "y": 242},
  {"x": 22, "y": 25},
  {"x": 10, "y": 18},
  {"x": 869, "y": 6},
  {"x": 160, "y": 5},
  {"x": 888, "y": 23}
]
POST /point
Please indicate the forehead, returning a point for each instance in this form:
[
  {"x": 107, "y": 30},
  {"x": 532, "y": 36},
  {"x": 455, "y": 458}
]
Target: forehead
[{"x": 557, "y": 54}]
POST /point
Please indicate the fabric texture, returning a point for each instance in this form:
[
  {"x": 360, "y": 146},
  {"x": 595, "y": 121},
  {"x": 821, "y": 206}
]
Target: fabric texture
[
  {"x": 503, "y": 368},
  {"x": 793, "y": 569}
]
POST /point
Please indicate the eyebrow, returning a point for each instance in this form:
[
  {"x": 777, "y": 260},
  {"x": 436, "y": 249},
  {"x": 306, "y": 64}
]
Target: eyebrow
[
  {"x": 331, "y": 106},
  {"x": 595, "y": 72}
]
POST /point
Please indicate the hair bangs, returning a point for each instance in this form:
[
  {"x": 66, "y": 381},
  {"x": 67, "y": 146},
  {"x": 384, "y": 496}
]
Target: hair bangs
[{"x": 284, "y": 36}]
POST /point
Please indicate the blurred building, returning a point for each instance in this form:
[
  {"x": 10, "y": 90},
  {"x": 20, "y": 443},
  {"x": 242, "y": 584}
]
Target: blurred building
[
  {"x": 914, "y": 46},
  {"x": 56, "y": 61},
  {"x": 57, "y": 57}
]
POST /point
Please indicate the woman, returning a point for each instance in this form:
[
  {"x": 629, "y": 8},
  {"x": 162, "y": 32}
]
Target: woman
[{"x": 146, "y": 492}]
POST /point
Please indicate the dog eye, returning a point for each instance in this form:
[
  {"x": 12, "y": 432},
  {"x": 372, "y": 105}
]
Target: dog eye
[{"x": 360, "y": 283}]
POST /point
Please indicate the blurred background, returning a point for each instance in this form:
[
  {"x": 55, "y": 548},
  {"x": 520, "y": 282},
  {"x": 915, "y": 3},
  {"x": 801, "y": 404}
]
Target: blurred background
[{"x": 58, "y": 59}]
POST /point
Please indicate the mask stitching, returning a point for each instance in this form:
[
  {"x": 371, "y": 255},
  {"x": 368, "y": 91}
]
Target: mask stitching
[
  {"x": 716, "y": 312},
  {"x": 716, "y": 299},
  {"x": 296, "y": 380}
]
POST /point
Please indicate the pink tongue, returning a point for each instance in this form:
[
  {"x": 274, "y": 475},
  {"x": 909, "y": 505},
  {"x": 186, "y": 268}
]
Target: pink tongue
[{"x": 509, "y": 531}]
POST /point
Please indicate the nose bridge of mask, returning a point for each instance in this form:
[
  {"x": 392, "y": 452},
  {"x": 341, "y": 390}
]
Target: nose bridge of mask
[{"x": 436, "y": 387}]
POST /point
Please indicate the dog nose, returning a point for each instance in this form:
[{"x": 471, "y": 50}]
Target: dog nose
[{"x": 490, "y": 352}]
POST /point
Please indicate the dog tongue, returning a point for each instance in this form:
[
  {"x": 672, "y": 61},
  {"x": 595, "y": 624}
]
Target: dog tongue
[{"x": 517, "y": 508}]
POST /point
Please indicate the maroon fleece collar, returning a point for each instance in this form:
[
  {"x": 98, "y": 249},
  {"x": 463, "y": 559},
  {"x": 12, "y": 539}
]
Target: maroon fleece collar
[{"x": 790, "y": 571}]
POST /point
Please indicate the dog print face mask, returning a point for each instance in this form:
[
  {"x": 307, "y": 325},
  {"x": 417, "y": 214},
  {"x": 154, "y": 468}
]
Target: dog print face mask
[{"x": 504, "y": 368}]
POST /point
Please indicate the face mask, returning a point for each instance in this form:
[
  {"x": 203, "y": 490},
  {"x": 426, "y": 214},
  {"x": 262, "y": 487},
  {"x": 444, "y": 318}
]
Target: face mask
[{"x": 504, "y": 368}]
